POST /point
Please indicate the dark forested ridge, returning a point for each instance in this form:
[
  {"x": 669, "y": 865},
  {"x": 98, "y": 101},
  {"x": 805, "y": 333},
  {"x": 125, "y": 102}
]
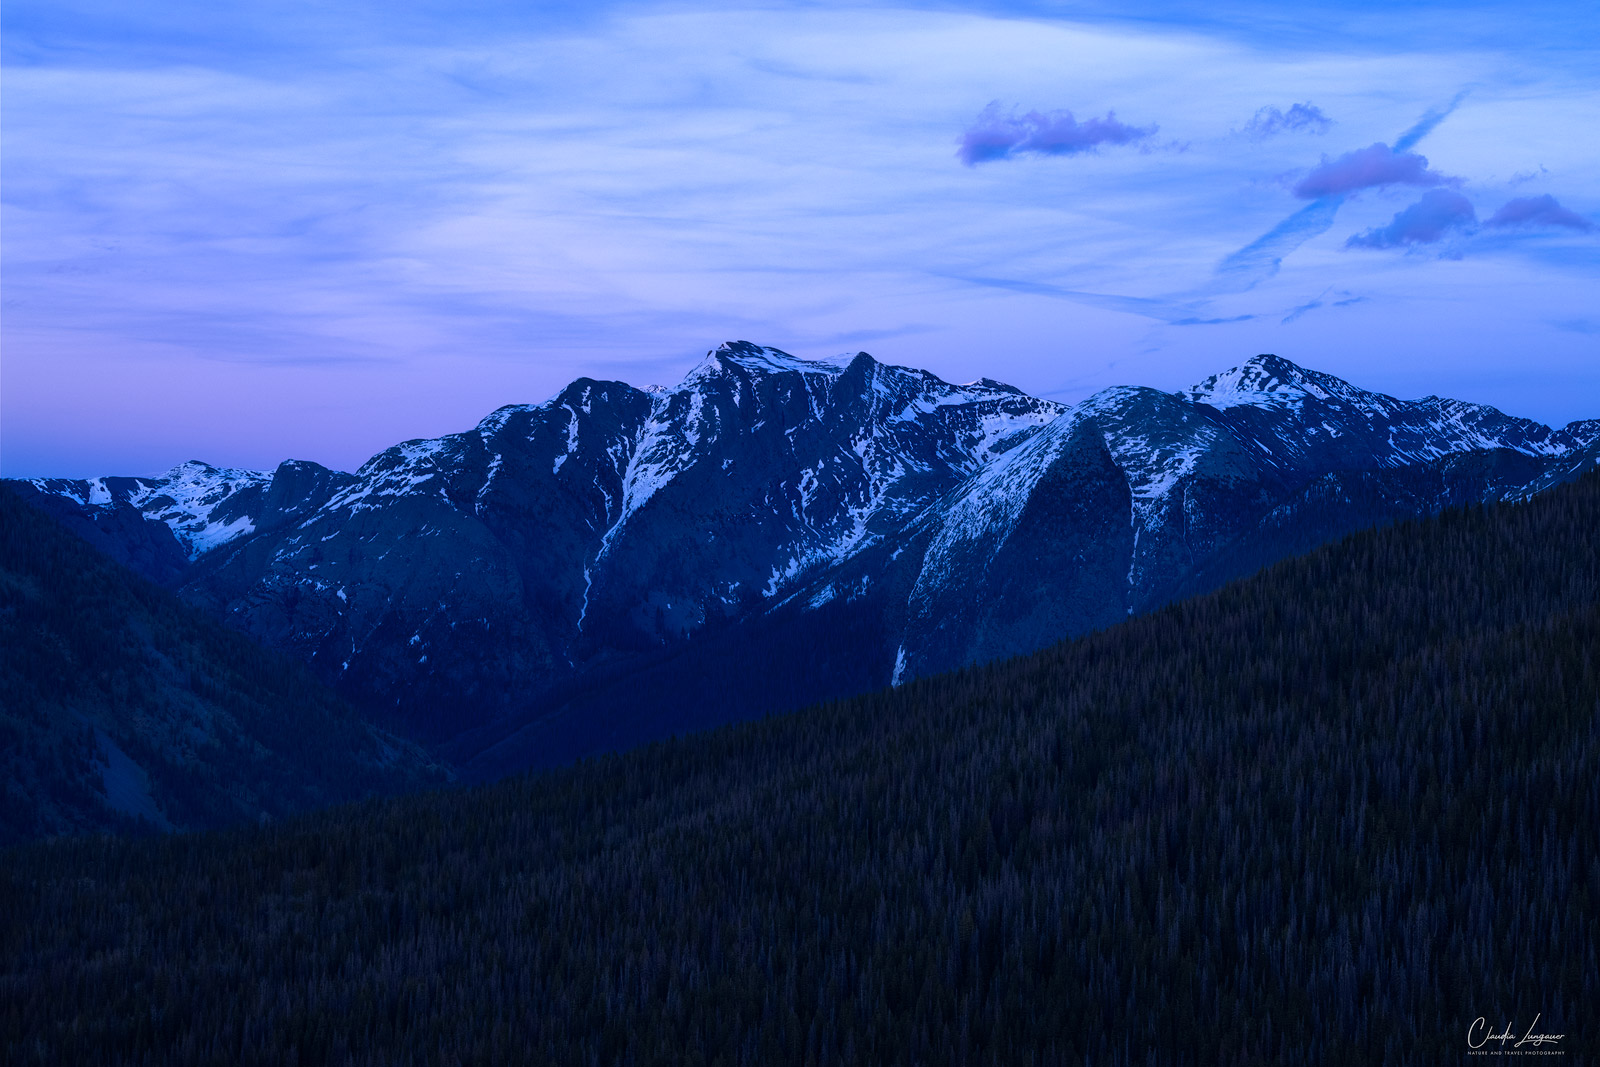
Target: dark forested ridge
[
  {"x": 1332, "y": 813},
  {"x": 121, "y": 706}
]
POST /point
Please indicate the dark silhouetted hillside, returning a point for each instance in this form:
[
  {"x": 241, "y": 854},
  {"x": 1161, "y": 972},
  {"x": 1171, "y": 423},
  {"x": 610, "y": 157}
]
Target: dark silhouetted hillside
[{"x": 121, "y": 706}]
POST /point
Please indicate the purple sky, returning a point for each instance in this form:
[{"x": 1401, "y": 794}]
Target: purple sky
[{"x": 248, "y": 232}]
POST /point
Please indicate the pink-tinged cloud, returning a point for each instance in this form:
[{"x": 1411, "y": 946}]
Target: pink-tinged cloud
[
  {"x": 1427, "y": 221},
  {"x": 1538, "y": 211},
  {"x": 1367, "y": 168},
  {"x": 997, "y": 135}
]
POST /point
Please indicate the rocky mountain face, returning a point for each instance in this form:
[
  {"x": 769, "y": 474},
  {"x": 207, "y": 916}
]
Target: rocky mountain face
[
  {"x": 580, "y": 568},
  {"x": 1137, "y": 496}
]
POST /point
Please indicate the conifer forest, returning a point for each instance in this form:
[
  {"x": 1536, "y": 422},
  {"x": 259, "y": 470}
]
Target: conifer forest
[{"x": 1331, "y": 813}]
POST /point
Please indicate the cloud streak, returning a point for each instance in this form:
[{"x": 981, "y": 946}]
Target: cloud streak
[
  {"x": 1158, "y": 308},
  {"x": 1261, "y": 258},
  {"x": 1439, "y": 213},
  {"x": 1367, "y": 168},
  {"x": 998, "y": 135},
  {"x": 1426, "y": 124}
]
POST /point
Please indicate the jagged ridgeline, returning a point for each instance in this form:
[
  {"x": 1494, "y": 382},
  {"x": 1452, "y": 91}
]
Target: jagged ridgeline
[
  {"x": 1331, "y": 813},
  {"x": 618, "y": 564},
  {"x": 122, "y": 707}
]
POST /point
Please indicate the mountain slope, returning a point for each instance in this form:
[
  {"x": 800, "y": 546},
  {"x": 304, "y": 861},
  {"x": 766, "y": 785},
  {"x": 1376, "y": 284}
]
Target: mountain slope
[
  {"x": 121, "y": 704},
  {"x": 1332, "y": 813}
]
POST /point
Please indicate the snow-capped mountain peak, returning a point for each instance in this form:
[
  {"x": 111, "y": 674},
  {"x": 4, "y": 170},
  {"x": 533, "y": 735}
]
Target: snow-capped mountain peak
[
  {"x": 1270, "y": 381},
  {"x": 759, "y": 359}
]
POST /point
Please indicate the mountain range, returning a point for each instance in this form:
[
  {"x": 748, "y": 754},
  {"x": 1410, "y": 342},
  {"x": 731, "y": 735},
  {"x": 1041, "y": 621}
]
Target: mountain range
[{"x": 618, "y": 563}]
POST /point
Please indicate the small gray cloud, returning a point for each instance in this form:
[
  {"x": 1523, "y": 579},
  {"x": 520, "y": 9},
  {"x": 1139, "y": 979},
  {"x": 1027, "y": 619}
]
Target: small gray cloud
[
  {"x": 1367, "y": 168},
  {"x": 1538, "y": 211},
  {"x": 1429, "y": 220},
  {"x": 1300, "y": 118},
  {"x": 1000, "y": 135}
]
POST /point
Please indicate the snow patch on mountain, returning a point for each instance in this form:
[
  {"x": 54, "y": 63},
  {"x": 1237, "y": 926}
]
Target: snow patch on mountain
[
  {"x": 191, "y": 500},
  {"x": 973, "y": 525},
  {"x": 399, "y": 471}
]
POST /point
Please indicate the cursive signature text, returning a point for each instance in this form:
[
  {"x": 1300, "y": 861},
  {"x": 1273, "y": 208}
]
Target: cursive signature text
[{"x": 1528, "y": 1038}]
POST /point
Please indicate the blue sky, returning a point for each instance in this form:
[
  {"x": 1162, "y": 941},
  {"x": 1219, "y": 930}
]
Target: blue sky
[{"x": 247, "y": 232}]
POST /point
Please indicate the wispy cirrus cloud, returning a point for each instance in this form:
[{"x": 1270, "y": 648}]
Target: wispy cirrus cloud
[
  {"x": 1346, "y": 299},
  {"x": 1439, "y": 213},
  {"x": 1300, "y": 118},
  {"x": 1542, "y": 210},
  {"x": 1367, "y": 168},
  {"x": 1578, "y": 325},
  {"x": 998, "y": 134},
  {"x": 1221, "y": 320}
]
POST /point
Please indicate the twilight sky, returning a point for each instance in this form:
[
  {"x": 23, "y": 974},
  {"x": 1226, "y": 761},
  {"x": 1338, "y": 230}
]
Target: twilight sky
[{"x": 251, "y": 231}]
